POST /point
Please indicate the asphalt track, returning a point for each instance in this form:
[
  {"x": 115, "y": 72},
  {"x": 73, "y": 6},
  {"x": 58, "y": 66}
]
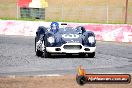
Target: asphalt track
[{"x": 17, "y": 57}]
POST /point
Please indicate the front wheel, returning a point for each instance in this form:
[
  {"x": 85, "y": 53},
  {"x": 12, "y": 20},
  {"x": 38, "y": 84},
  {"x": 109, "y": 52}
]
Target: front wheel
[
  {"x": 91, "y": 55},
  {"x": 39, "y": 53},
  {"x": 46, "y": 54},
  {"x": 35, "y": 44}
]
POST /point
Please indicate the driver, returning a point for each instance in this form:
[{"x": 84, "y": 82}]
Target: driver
[{"x": 54, "y": 27}]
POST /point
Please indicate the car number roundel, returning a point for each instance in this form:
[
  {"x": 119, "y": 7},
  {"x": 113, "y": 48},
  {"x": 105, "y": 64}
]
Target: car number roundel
[{"x": 70, "y": 36}]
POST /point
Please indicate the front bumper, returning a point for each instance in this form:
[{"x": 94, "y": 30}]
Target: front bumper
[{"x": 79, "y": 49}]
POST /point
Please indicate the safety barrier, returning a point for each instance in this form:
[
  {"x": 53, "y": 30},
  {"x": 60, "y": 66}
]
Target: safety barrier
[
  {"x": 110, "y": 32},
  {"x": 103, "y": 32}
]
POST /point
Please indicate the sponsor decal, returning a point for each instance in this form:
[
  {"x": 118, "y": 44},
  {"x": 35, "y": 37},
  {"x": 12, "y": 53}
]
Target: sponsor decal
[
  {"x": 83, "y": 78},
  {"x": 70, "y": 36}
]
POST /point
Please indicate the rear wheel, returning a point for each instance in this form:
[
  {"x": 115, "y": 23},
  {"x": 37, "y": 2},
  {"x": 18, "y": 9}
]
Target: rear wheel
[{"x": 91, "y": 55}]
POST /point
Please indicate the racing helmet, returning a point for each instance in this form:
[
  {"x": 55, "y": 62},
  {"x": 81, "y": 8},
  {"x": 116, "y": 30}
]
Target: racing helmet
[{"x": 54, "y": 27}]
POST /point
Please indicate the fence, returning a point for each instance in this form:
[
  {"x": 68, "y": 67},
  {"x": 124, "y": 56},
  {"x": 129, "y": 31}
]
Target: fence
[
  {"x": 99, "y": 11},
  {"x": 8, "y": 10},
  {"x": 34, "y": 13},
  {"x": 87, "y": 14}
]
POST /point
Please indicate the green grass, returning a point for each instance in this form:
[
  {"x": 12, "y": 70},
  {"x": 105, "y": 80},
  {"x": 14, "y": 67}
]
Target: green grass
[
  {"x": 58, "y": 20},
  {"x": 77, "y": 21},
  {"x": 25, "y": 19}
]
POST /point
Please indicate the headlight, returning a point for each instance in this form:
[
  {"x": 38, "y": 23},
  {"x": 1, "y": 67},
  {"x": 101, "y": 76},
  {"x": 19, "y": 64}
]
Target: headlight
[
  {"x": 91, "y": 39},
  {"x": 51, "y": 39}
]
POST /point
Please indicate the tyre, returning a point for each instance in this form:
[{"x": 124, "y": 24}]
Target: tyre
[
  {"x": 46, "y": 54},
  {"x": 35, "y": 44},
  {"x": 91, "y": 55},
  {"x": 39, "y": 53},
  {"x": 81, "y": 80}
]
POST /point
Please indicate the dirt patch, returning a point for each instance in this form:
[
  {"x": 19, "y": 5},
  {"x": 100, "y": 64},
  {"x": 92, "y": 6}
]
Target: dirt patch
[{"x": 52, "y": 82}]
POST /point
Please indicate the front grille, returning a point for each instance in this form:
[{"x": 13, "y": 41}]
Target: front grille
[{"x": 72, "y": 47}]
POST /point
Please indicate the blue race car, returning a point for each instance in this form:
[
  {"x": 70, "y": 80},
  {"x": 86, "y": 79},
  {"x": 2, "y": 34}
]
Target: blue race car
[{"x": 64, "y": 40}]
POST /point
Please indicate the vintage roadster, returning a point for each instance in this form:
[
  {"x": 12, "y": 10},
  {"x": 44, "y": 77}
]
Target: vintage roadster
[{"x": 64, "y": 40}]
